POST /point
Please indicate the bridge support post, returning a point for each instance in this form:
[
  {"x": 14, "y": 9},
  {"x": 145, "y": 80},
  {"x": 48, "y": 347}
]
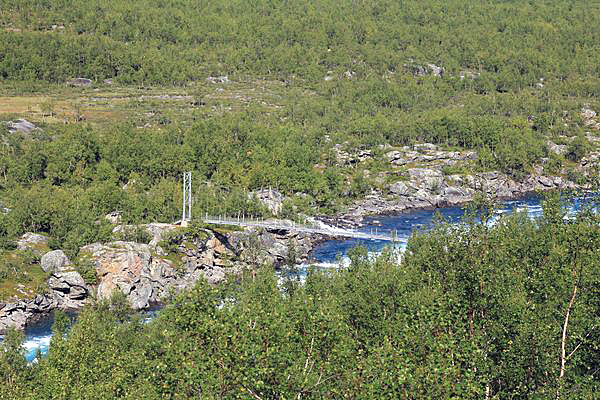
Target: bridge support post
[{"x": 187, "y": 198}]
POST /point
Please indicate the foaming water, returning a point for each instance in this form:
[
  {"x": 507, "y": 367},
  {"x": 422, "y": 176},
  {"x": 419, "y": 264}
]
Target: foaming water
[{"x": 37, "y": 338}]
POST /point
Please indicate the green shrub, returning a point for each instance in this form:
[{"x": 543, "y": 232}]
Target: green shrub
[
  {"x": 554, "y": 164},
  {"x": 135, "y": 233},
  {"x": 87, "y": 269},
  {"x": 578, "y": 148},
  {"x": 171, "y": 240}
]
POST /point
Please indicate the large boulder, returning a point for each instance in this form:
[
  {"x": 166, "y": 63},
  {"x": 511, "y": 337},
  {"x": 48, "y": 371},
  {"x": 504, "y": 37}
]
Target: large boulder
[{"x": 55, "y": 261}]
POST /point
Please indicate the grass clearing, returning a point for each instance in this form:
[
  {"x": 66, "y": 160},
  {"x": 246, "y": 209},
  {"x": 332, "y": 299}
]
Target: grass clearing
[
  {"x": 152, "y": 106},
  {"x": 21, "y": 276}
]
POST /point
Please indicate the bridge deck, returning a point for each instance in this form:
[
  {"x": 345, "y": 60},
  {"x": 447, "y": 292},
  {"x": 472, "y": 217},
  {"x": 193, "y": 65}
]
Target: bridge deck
[{"x": 327, "y": 231}]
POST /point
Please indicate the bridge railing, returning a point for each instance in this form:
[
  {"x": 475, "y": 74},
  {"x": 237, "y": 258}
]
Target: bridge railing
[{"x": 316, "y": 227}]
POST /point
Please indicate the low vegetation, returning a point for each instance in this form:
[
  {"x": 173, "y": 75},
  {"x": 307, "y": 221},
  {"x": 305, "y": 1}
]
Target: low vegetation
[{"x": 21, "y": 275}]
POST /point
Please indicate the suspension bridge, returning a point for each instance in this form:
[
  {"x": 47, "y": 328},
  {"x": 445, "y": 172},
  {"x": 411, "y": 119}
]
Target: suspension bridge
[{"x": 318, "y": 228}]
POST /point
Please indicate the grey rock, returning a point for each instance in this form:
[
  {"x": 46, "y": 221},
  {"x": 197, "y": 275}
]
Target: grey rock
[
  {"x": 433, "y": 183},
  {"x": 429, "y": 69},
  {"x": 279, "y": 251},
  {"x": 453, "y": 195},
  {"x": 435, "y": 70},
  {"x": 488, "y": 176},
  {"x": 21, "y": 125},
  {"x": 587, "y": 113},
  {"x": 132, "y": 269},
  {"x": 545, "y": 181},
  {"x": 80, "y": 82},
  {"x": 141, "y": 297},
  {"x": 218, "y": 79},
  {"x": 424, "y": 172},
  {"x": 396, "y": 157},
  {"x": 214, "y": 275},
  {"x": 69, "y": 290},
  {"x": 270, "y": 198},
  {"x": 400, "y": 188},
  {"x": 425, "y": 146},
  {"x": 71, "y": 278},
  {"x": 158, "y": 230},
  {"x": 31, "y": 241},
  {"x": 58, "y": 285},
  {"x": 78, "y": 293},
  {"x": 54, "y": 261},
  {"x": 559, "y": 149},
  {"x": 113, "y": 217}
]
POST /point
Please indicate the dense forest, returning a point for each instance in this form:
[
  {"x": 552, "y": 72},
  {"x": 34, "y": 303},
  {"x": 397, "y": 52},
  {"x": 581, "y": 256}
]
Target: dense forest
[
  {"x": 512, "y": 44},
  {"x": 470, "y": 312},
  {"x": 263, "y": 94}
]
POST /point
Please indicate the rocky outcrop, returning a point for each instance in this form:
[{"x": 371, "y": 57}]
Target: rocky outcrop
[
  {"x": 18, "y": 314},
  {"x": 32, "y": 241},
  {"x": 132, "y": 269},
  {"x": 429, "y": 188},
  {"x": 68, "y": 289},
  {"x": 428, "y": 153},
  {"x": 275, "y": 247},
  {"x": 270, "y": 198}
]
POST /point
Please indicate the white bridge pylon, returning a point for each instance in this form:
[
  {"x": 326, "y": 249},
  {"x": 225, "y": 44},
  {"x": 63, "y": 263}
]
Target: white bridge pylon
[{"x": 187, "y": 198}]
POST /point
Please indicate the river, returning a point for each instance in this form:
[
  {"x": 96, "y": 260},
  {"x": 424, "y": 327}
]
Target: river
[{"x": 333, "y": 252}]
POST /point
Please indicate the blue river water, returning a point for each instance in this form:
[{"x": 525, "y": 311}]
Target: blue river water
[{"x": 333, "y": 253}]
